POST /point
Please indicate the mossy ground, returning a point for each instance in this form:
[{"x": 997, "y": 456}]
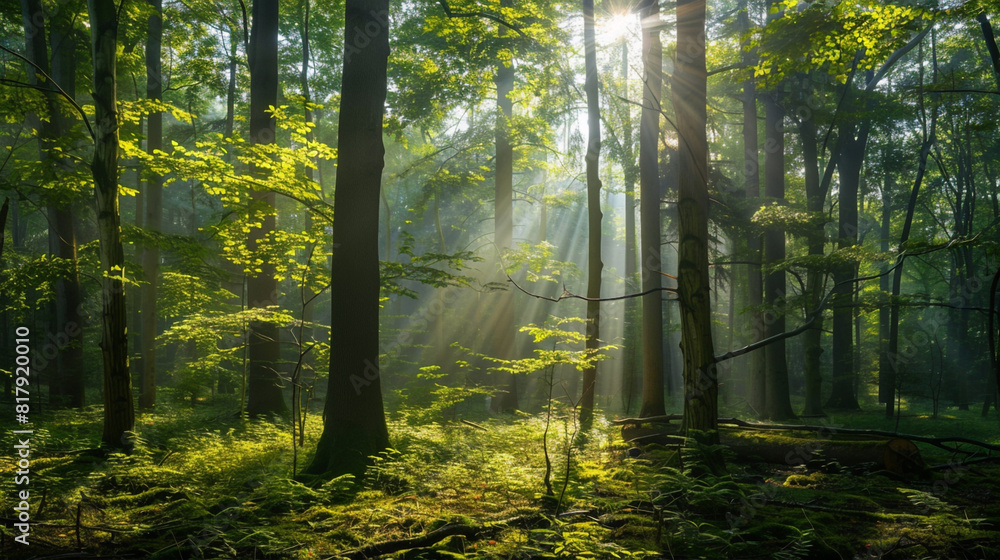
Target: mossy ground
[{"x": 203, "y": 484}]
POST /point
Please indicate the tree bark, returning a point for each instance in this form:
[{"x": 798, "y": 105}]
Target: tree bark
[
  {"x": 812, "y": 338},
  {"x": 594, "y": 264},
  {"x": 843, "y": 394},
  {"x": 354, "y": 421},
  {"x": 689, "y": 91},
  {"x": 503, "y": 227},
  {"x": 777, "y": 404},
  {"x": 264, "y": 352},
  {"x": 153, "y": 204},
  {"x": 649, "y": 213},
  {"x": 755, "y": 381},
  {"x": 119, "y": 411},
  {"x": 66, "y": 386},
  {"x": 632, "y": 381}
]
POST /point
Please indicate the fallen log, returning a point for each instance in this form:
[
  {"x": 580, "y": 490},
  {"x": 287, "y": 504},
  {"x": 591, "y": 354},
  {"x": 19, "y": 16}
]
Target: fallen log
[
  {"x": 824, "y": 430},
  {"x": 896, "y": 455},
  {"x": 471, "y": 532}
]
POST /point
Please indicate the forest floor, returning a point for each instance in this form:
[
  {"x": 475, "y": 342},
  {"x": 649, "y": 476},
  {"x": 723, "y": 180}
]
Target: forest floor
[{"x": 203, "y": 484}]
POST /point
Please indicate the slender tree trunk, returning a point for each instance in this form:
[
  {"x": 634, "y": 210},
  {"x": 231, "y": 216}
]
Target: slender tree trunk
[
  {"x": 503, "y": 227},
  {"x": 649, "y": 212},
  {"x": 991, "y": 45},
  {"x": 812, "y": 339},
  {"x": 594, "y": 264},
  {"x": 67, "y": 383},
  {"x": 154, "y": 214},
  {"x": 354, "y": 421},
  {"x": 264, "y": 351},
  {"x": 777, "y": 404},
  {"x": 632, "y": 381},
  {"x": 701, "y": 389},
  {"x": 755, "y": 380},
  {"x": 843, "y": 394},
  {"x": 119, "y": 411},
  {"x": 886, "y": 390}
]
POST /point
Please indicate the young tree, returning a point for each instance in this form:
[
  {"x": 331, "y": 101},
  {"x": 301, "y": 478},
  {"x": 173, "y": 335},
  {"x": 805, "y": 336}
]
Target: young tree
[
  {"x": 119, "y": 410},
  {"x": 701, "y": 389},
  {"x": 594, "y": 264},
  {"x": 264, "y": 352},
  {"x": 354, "y": 425},
  {"x": 649, "y": 214}
]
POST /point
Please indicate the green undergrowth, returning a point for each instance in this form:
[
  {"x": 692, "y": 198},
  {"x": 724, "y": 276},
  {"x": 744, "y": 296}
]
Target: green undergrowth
[{"x": 200, "y": 483}]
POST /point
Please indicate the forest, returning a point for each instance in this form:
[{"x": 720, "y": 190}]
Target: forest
[{"x": 499, "y": 279}]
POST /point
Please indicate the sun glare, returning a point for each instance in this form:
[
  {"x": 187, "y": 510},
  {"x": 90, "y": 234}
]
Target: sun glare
[{"x": 615, "y": 27}]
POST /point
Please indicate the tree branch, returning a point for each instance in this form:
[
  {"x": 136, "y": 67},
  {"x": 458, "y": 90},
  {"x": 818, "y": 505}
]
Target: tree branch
[
  {"x": 480, "y": 14},
  {"x": 59, "y": 89}
]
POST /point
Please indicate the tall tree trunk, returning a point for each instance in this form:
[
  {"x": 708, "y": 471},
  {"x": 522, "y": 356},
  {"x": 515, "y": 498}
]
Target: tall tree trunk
[
  {"x": 632, "y": 385},
  {"x": 843, "y": 394},
  {"x": 777, "y": 404},
  {"x": 886, "y": 390},
  {"x": 354, "y": 421},
  {"x": 594, "y": 264},
  {"x": 755, "y": 380},
  {"x": 701, "y": 389},
  {"x": 503, "y": 227},
  {"x": 67, "y": 383},
  {"x": 889, "y": 361},
  {"x": 264, "y": 351},
  {"x": 649, "y": 213},
  {"x": 812, "y": 339},
  {"x": 119, "y": 411},
  {"x": 154, "y": 214}
]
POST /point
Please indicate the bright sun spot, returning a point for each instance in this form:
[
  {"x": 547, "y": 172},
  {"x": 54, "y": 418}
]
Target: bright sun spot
[{"x": 615, "y": 27}]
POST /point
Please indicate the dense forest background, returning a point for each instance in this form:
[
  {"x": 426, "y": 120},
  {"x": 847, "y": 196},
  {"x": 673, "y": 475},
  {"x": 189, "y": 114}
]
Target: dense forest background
[{"x": 510, "y": 278}]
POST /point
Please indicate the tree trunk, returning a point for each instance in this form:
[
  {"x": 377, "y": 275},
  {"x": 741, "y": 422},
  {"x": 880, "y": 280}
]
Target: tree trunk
[
  {"x": 154, "y": 214},
  {"x": 630, "y": 386},
  {"x": 66, "y": 387},
  {"x": 503, "y": 228},
  {"x": 851, "y": 160},
  {"x": 354, "y": 421},
  {"x": 264, "y": 351},
  {"x": 689, "y": 91},
  {"x": 777, "y": 404},
  {"x": 755, "y": 381},
  {"x": 812, "y": 339},
  {"x": 594, "y": 264},
  {"x": 119, "y": 412},
  {"x": 649, "y": 212}
]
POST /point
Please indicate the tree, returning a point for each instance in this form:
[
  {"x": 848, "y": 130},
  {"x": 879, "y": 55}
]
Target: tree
[
  {"x": 649, "y": 214},
  {"x": 264, "y": 351},
  {"x": 756, "y": 382},
  {"x": 66, "y": 387},
  {"x": 153, "y": 201},
  {"x": 701, "y": 389},
  {"x": 594, "y": 264},
  {"x": 776, "y": 399},
  {"x": 354, "y": 425},
  {"x": 119, "y": 410},
  {"x": 503, "y": 221}
]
